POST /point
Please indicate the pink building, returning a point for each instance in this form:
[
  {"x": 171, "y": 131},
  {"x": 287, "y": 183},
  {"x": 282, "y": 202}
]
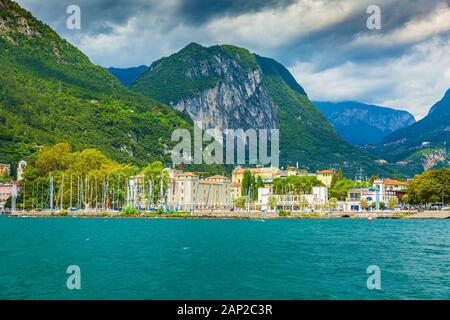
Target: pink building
[{"x": 5, "y": 191}]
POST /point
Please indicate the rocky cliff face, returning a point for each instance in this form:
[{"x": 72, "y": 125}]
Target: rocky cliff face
[
  {"x": 238, "y": 100},
  {"x": 234, "y": 98}
]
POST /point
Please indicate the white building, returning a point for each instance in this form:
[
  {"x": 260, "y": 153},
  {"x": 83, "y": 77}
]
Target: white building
[
  {"x": 318, "y": 197},
  {"x": 187, "y": 192},
  {"x": 20, "y": 169},
  {"x": 382, "y": 191}
]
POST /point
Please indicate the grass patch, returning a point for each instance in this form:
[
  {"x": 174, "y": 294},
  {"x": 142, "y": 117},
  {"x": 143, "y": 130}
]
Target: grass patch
[
  {"x": 401, "y": 215},
  {"x": 310, "y": 215}
]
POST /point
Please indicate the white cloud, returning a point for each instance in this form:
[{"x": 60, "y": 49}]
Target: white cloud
[
  {"x": 413, "y": 82},
  {"x": 414, "y": 31},
  {"x": 275, "y": 27}
]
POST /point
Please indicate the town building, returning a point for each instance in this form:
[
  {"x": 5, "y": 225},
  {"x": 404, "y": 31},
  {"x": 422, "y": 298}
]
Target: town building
[
  {"x": 315, "y": 200},
  {"x": 5, "y": 169},
  {"x": 382, "y": 191},
  {"x": 235, "y": 191},
  {"x": 20, "y": 169},
  {"x": 6, "y": 191},
  {"x": 395, "y": 185},
  {"x": 188, "y": 192},
  {"x": 267, "y": 174},
  {"x": 326, "y": 177},
  {"x": 294, "y": 171}
]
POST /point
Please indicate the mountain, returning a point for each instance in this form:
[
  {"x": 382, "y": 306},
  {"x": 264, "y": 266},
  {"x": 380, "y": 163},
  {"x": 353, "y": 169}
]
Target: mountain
[
  {"x": 424, "y": 143},
  {"x": 127, "y": 75},
  {"x": 360, "y": 124},
  {"x": 229, "y": 87},
  {"x": 50, "y": 92}
]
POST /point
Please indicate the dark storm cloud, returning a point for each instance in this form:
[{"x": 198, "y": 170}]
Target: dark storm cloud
[
  {"x": 98, "y": 16},
  {"x": 201, "y": 11}
]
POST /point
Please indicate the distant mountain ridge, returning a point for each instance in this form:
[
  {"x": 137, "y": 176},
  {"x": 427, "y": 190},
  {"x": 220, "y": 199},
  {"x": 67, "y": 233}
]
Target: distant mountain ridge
[
  {"x": 360, "y": 123},
  {"x": 228, "y": 87},
  {"x": 127, "y": 75},
  {"x": 424, "y": 142}
]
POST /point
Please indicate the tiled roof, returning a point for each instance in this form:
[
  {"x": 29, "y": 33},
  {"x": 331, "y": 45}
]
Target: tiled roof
[
  {"x": 326, "y": 172},
  {"x": 209, "y": 182},
  {"x": 217, "y": 177},
  {"x": 186, "y": 174},
  {"x": 392, "y": 182},
  {"x": 256, "y": 170}
]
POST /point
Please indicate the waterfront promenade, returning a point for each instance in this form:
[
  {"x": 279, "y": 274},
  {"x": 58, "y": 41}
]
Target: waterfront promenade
[{"x": 244, "y": 214}]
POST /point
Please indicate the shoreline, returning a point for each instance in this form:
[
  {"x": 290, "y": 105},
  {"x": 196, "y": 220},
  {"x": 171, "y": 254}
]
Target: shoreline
[{"x": 239, "y": 215}]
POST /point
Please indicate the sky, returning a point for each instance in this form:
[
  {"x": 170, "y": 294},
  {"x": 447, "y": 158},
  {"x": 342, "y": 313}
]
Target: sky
[{"x": 326, "y": 44}]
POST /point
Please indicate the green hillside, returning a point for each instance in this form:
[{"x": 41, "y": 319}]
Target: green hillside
[
  {"x": 306, "y": 135},
  {"x": 50, "y": 92}
]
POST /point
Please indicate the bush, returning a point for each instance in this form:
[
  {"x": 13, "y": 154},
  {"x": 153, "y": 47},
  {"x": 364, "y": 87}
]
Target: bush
[
  {"x": 62, "y": 213},
  {"x": 129, "y": 211},
  {"x": 284, "y": 213}
]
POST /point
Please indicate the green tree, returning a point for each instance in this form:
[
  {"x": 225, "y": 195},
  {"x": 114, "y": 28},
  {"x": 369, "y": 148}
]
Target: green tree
[
  {"x": 405, "y": 199},
  {"x": 341, "y": 187},
  {"x": 302, "y": 203},
  {"x": 272, "y": 202},
  {"x": 153, "y": 170},
  {"x": 430, "y": 186},
  {"x": 247, "y": 180},
  {"x": 240, "y": 202},
  {"x": 332, "y": 203},
  {"x": 5, "y": 178},
  {"x": 259, "y": 182},
  {"x": 53, "y": 158},
  {"x": 364, "y": 204},
  {"x": 372, "y": 179},
  {"x": 392, "y": 202},
  {"x": 295, "y": 185}
]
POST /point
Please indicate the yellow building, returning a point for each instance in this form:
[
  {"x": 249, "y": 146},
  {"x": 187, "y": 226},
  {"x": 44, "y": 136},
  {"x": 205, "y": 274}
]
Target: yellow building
[
  {"x": 5, "y": 169},
  {"x": 266, "y": 174},
  {"x": 292, "y": 171},
  {"x": 235, "y": 191},
  {"x": 325, "y": 176}
]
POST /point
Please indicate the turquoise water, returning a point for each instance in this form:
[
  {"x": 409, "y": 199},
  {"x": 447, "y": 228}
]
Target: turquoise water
[{"x": 223, "y": 259}]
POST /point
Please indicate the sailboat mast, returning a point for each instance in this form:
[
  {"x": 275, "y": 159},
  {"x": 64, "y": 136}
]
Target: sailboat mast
[
  {"x": 51, "y": 192},
  {"x": 62, "y": 192}
]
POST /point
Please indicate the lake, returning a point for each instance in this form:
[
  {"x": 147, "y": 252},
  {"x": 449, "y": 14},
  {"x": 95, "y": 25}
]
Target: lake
[{"x": 223, "y": 259}]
